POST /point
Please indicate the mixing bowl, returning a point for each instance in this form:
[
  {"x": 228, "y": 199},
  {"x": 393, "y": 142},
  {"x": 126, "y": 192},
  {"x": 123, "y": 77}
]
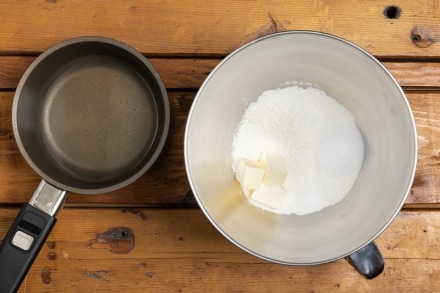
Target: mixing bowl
[{"x": 357, "y": 81}]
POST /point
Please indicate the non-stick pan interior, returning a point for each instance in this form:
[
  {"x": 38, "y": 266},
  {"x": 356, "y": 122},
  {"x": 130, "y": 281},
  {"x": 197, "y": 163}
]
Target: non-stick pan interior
[{"x": 91, "y": 115}]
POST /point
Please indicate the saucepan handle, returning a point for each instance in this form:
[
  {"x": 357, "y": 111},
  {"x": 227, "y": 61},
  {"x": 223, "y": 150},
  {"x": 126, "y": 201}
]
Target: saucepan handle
[
  {"x": 21, "y": 246},
  {"x": 27, "y": 235},
  {"x": 368, "y": 261}
]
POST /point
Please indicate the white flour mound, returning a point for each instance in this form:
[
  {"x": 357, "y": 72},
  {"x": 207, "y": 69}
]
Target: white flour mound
[{"x": 322, "y": 147}]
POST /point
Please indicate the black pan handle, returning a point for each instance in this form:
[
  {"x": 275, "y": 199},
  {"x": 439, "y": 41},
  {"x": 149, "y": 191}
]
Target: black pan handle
[
  {"x": 21, "y": 246},
  {"x": 27, "y": 235},
  {"x": 368, "y": 261}
]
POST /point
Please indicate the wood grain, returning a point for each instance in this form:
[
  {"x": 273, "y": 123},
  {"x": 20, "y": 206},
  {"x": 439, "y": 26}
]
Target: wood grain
[
  {"x": 119, "y": 245},
  {"x": 178, "y": 250},
  {"x": 194, "y": 27},
  {"x": 166, "y": 182},
  {"x": 177, "y": 73},
  {"x": 189, "y": 73}
]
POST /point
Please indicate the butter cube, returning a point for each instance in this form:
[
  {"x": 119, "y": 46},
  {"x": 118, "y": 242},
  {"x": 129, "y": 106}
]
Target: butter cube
[
  {"x": 271, "y": 197},
  {"x": 249, "y": 173},
  {"x": 275, "y": 169}
]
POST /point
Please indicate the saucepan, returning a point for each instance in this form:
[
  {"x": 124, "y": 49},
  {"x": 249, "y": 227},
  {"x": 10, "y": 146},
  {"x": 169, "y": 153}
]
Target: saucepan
[
  {"x": 357, "y": 81},
  {"x": 90, "y": 115}
]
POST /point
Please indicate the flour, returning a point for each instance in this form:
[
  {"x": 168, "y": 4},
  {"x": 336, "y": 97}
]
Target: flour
[{"x": 322, "y": 147}]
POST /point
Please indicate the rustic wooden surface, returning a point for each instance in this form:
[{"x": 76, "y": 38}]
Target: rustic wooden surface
[{"x": 167, "y": 244}]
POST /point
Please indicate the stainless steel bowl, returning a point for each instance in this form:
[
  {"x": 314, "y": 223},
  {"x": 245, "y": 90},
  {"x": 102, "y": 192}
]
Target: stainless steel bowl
[{"x": 357, "y": 81}]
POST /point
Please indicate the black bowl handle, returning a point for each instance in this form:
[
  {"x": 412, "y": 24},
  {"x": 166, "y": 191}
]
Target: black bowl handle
[
  {"x": 27, "y": 235},
  {"x": 368, "y": 261}
]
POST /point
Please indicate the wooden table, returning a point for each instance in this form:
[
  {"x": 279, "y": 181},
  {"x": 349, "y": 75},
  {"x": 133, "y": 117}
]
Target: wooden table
[{"x": 165, "y": 242}]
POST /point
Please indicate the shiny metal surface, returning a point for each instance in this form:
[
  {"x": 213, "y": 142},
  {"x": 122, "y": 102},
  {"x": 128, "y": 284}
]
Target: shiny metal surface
[
  {"x": 351, "y": 76},
  {"x": 48, "y": 198}
]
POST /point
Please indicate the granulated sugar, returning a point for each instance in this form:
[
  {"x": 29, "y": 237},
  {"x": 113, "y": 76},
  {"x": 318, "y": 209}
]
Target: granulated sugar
[{"x": 322, "y": 147}]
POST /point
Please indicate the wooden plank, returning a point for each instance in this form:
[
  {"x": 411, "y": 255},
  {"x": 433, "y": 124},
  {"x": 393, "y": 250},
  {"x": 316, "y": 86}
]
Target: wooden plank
[
  {"x": 194, "y": 27},
  {"x": 426, "y": 110},
  {"x": 136, "y": 249},
  {"x": 189, "y": 73},
  {"x": 176, "y": 73},
  {"x": 415, "y": 74},
  {"x": 178, "y": 250},
  {"x": 12, "y": 69},
  {"x": 166, "y": 182}
]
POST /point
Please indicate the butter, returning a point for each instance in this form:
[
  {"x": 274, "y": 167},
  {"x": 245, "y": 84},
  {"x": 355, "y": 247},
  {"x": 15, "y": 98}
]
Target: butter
[
  {"x": 262, "y": 182},
  {"x": 275, "y": 169},
  {"x": 249, "y": 173},
  {"x": 271, "y": 197}
]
